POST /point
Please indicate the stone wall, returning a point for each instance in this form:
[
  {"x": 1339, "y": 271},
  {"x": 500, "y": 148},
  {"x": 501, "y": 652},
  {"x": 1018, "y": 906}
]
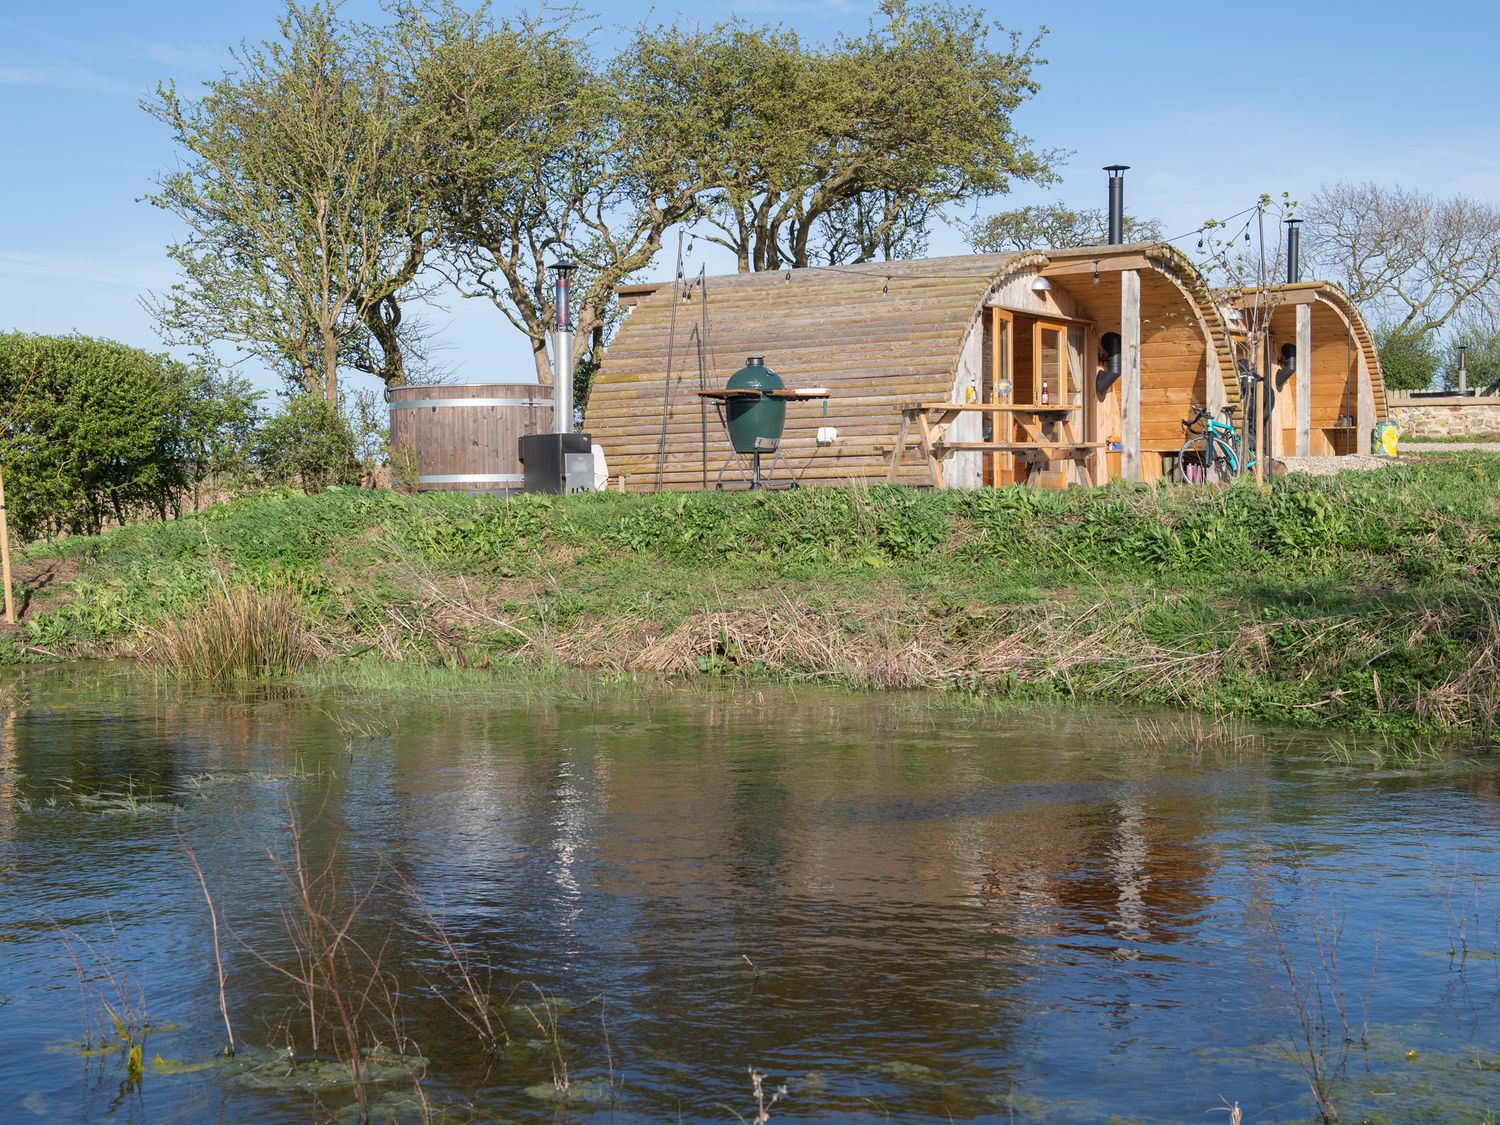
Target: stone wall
[{"x": 1445, "y": 415}]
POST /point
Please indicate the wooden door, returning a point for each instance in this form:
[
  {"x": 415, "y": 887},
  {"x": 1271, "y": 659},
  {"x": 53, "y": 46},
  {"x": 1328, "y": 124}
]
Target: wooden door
[
  {"x": 1049, "y": 357},
  {"x": 998, "y": 388}
]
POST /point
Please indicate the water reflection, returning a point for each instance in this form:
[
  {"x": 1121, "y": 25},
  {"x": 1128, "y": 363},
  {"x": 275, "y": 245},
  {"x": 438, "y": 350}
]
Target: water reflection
[{"x": 898, "y": 909}]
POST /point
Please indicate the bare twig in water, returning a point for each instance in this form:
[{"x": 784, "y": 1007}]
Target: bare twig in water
[
  {"x": 763, "y": 1103},
  {"x": 346, "y": 990},
  {"x": 213, "y": 921},
  {"x": 462, "y": 974},
  {"x": 113, "y": 1007}
]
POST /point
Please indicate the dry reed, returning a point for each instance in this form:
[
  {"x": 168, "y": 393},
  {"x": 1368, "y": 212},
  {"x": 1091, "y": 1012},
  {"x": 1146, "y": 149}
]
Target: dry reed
[{"x": 240, "y": 632}]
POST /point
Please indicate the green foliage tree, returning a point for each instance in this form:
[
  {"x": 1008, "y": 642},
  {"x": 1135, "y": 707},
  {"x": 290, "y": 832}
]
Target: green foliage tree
[
  {"x": 1409, "y": 359},
  {"x": 303, "y": 192},
  {"x": 98, "y": 432},
  {"x": 1482, "y": 359},
  {"x": 1053, "y": 226},
  {"x": 538, "y": 155},
  {"x": 308, "y": 444},
  {"x": 837, "y": 154}
]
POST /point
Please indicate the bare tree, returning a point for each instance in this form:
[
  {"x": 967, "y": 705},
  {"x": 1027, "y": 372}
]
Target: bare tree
[{"x": 1415, "y": 261}]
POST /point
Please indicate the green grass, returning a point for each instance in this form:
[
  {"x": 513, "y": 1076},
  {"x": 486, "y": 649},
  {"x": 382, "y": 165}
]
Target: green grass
[
  {"x": 1366, "y": 599},
  {"x": 1446, "y": 439}
]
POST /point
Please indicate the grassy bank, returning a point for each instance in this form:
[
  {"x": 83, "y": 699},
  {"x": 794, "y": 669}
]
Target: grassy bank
[{"x": 1364, "y": 599}]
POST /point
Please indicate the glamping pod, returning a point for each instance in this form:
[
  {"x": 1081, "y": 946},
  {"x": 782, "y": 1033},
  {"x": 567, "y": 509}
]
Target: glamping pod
[
  {"x": 1328, "y": 395},
  {"x": 1058, "y": 368}
]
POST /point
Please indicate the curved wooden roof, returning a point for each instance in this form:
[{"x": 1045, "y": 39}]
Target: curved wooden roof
[
  {"x": 1176, "y": 266},
  {"x": 880, "y": 335},
  {"x": 1335, "y": 296}
]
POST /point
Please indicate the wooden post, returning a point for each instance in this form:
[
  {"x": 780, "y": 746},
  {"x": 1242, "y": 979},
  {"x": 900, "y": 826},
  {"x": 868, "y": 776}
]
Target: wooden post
[
  {"x": 1304, "y": 380},
  {"x": 1130, "y": 376},
  {"x": 1364, "y": 411},
  {"x": 10, "y": 598},
  {"x": 993, "y": 420}
]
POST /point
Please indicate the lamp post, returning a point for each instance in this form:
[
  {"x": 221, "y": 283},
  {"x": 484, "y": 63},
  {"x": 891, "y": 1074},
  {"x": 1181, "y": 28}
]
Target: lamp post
[{"x": 1463, "y": 369}]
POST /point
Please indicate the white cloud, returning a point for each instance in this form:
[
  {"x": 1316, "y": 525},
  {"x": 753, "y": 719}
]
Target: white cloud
[
  {"x": 52, "y": 268},
  {"x": 193, "y": 57},
  {"x": 64, "y": 76}
]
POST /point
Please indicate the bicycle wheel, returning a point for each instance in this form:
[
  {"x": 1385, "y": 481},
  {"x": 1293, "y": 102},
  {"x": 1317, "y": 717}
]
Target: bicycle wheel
[{"x": 1204, "y": 459}]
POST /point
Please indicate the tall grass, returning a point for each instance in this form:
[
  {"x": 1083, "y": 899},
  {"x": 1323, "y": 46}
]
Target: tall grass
[
  {"x": 239, "y": 632},
  {"x": 1366, "y": 599}
]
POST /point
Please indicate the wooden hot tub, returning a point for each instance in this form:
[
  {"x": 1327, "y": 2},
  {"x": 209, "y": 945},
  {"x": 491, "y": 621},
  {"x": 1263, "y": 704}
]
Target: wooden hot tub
[{"x": 465, "y": 437}]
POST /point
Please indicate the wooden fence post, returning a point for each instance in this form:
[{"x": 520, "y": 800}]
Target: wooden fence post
[{"x": 10, "y": 598}]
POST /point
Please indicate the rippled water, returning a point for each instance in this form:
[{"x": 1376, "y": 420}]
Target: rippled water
[{"x": 897, "y": 910}]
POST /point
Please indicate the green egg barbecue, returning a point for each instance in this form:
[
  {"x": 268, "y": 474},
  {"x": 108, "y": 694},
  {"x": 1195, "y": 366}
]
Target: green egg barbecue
[
  {"x": 755, "y": 421},
  {"x": 752, "y": 406}
]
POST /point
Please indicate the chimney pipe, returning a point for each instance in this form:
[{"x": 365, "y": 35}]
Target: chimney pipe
[
  {"x": 1110, "y": 343},
  {"x": 1117, "y": 202},
  {"x": 1293, "y": 251},
  {"x": 562, "y": 353}
]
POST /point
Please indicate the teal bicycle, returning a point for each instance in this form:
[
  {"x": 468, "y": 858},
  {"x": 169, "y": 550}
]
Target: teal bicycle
[{"x": 1210, "y": 455}]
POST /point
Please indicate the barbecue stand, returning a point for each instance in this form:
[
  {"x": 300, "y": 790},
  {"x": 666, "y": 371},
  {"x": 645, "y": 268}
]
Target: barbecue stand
[{"x": 752, "y": 409}]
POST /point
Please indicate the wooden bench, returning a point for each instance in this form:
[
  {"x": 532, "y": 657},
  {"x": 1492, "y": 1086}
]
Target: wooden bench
[{"x": 1053, "y": 448}]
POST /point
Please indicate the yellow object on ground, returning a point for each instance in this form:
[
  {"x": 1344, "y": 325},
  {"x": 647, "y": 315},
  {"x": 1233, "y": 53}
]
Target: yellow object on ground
[{"x": 1386, "y": 435}]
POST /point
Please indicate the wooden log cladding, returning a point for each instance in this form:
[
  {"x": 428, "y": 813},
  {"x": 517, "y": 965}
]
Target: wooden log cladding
[
  {"x": 466, "y": 437},
  {"x": 1344, "y": 370},
  {"x": 881, "y": 336}
]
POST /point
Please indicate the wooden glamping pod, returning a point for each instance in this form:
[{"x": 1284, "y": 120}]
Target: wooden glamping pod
[
  {"x": 465, "y": 437},
  {"x": 1105, "y": 350},
  {"x": 1328, "y": 390}
]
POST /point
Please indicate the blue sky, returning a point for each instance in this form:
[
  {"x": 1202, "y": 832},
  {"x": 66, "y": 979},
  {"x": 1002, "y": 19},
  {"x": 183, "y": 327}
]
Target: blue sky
[{"x": 1210, "y": 104}]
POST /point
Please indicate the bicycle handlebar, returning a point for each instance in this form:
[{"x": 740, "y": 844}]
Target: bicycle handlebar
[{"x": 1199, "y": 414}]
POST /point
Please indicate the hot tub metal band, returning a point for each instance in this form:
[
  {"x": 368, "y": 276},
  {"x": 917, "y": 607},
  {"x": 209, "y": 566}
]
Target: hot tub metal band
[
  {"x": 436, "y": 402},
  {"x": 473, "y": 478}
]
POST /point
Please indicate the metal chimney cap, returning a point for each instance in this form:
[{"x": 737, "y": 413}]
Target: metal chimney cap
[
  {"x": 1290, "y": 222},
  {"x": 1116, "y": 169}
]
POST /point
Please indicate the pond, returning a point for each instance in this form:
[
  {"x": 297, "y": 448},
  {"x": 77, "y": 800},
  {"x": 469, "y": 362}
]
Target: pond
[{"x": 552, "y": 899}]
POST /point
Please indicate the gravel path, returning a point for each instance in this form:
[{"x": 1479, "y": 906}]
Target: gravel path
[
  {"x": 1327, "y": 466},
  {"x": 1449, "y": 446}
]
